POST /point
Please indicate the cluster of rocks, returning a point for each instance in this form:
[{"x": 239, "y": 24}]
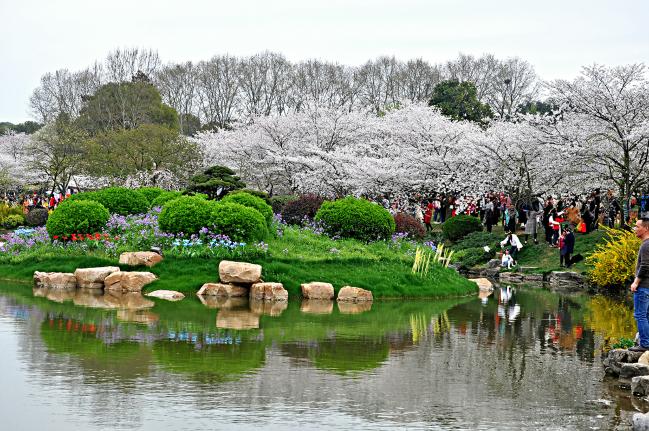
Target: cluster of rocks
[
  {"x": 242, "y": 279},
  {"x": 633, "y": 366},
  {"x": 108, "y": 278}
]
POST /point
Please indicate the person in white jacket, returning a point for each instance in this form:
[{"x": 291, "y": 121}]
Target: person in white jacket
[{"x": 514, "y": 243}]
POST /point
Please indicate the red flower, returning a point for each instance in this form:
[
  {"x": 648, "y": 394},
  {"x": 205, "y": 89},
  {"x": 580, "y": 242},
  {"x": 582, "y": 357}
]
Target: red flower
[
  {"x": 56, "y": 237},
  {"x": 74, "y": 237},
  {"x": 97, "y": 236},
  {"x": 117, "y": 238}
]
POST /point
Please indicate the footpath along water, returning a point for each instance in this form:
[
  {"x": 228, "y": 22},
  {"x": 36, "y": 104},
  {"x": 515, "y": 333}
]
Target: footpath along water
[{"x": 519, "y": 359}]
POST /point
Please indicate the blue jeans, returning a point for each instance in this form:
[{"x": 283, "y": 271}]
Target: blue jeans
[{"x": 640, "y": 310}]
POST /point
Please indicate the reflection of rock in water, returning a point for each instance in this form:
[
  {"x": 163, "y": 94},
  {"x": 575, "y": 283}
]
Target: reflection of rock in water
[
  {"x": 56, "y": 295},
  {"x": 484, "y": 294},
  {"x": 237, "y": 319},
  {"x": 317, "y": 306},
  {"x": 137, "y": 316},
  {"x": 223, "y": 302},
  {"x": 268, "y": 308},
  {"x": 354, "y": 307},
  {"x": 93, "y": 298}
]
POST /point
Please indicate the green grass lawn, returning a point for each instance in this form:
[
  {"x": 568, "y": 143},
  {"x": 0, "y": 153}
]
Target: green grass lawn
[{"x": 296, "y": 257}]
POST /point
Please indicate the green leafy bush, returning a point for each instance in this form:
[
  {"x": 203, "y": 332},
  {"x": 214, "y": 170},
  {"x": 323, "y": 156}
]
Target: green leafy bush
[
  {"x": 117, "y": 200},
  {"x": 259, "y": 194},
  {"x": 150, "y": 193},
  {"x": 302, "y": 208},
  {"x": 478, "y": 239},
  {"x": 356, "y": 218},
  {"x": 81, "y": 216},
  {"x": 473, "y": 256},
  {"x": 6, "y": 210},
  {"x": 460, "y": 226},
  {"x": 186, "y": 214},
  {"x": 164, "y": 198},
  {"x": 251, "y": 201},
  {"x": 279, "y": 202},
  {"x": 37, "y": 217},
  {"x": 12, "y": 221},
  {"x": 239, "y": 222}
]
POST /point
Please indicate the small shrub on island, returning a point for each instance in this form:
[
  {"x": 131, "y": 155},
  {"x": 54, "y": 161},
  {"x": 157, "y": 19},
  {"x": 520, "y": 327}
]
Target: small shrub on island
[
  {"x": 77, "y": 217},
  {"x": 356, "y": 218},
  {"x": 406, "y": 223},
  {"x": 301, "y": 209},
  {"x": 458, "y": 227},
  {"x": 186, "y": 214},
  {"x": 248, "y": 200},
  {"x": 239, "y": 222},
  {"x": 37, "y": 217}
]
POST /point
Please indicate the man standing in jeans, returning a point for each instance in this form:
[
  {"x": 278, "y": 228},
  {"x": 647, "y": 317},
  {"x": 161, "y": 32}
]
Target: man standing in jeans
[{"x": 640, "y": 286}]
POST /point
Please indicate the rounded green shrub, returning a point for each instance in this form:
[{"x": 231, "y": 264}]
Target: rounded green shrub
[
  {"x": 251, "y": 201},
  {"x": 12, "y": 221},
  {"x": 83, "y": 196},
  {"x": 164, "y": 198},
  {"x": 259, "y": 194},
  {"x": 356, "y": 218},
  {"x": 123, "y": 201},
  {"x": 458, "y": 227},
  {"x": 81, "y": 216},
  {"x": 150, "y": 193},
  {"x": 239, "y": 222},
  {"x": 186, "y": 214},
  {"x": 37, "y": 217}
]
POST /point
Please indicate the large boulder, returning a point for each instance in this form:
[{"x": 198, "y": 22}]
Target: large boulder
[
  {"x": 268, "y": 292},
  {"x": 640, "y": 422},
  {"x": 567, "y": 280},
  {"x": 55, "y": 280},
  {"x": 140, "y": 258},
  {"x": 354, "y": 294},
  {"x": 483, "y": 283},
  {"x": 628, "y": 371},
  {"x": 317, "y": 290},
  {"x": 640, "y": 385},
  {"x": 223, "y": 290},
  {"x": 239, "y": 272},
  {"x": 169, "y": 295},
  {"x": 125, "y": 281},
  {"x": 616, "y": 358},
  {"x": 93, "y": 278}
]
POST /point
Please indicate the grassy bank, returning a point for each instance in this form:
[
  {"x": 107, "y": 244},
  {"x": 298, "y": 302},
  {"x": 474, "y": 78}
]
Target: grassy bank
[{"x": 296, "y": 257}]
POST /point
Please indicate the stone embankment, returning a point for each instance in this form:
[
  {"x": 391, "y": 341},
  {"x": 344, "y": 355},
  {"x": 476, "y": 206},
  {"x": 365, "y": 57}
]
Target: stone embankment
[{"x": 631, "y": 367}]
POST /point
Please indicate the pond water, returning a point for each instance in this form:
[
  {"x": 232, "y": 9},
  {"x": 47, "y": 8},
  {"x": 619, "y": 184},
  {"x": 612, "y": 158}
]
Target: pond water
[{"x": 519, "y": 359}]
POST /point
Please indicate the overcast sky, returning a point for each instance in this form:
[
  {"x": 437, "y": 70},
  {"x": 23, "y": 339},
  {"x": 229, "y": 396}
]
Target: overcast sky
[{"x": 556, "y": 37}]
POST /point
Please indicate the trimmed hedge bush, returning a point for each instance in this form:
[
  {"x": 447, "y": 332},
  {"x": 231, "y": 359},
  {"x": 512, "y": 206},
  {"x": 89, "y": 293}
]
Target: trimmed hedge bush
[
  {"x": 408, "y": 224},
  {"x": 356, "y": 218},
  {"x": 12, "y": 221},
  {"x": 186, "y": 214},
  {"x": 150, "y": 193},
  {"x": 117, "y": 200},
  {"x": 460, "y": 226},
  {"x": 251, "y": 201},
  {"x": 164, "y": 198},
  {"x": 257, "y": 193},
  {"x": 239, "y": 222},
  {"x": 37, "y": 217},
  {"x": 301, "y": 208},
  {"x": 81, "y": 216},
  {"x": 279, "y": 202}
]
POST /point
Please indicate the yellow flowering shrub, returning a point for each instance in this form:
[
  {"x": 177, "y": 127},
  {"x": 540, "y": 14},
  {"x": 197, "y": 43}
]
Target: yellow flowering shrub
[{"x": 614, "y": 261}]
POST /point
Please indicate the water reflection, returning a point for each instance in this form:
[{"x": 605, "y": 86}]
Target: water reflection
[{"x": 521, "y": 358}]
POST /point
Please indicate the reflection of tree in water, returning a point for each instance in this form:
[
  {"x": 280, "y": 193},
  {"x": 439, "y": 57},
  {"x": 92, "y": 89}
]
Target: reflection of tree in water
[
  {"x": 421, "y": 327},
  {"x": 611, "y": 318}
]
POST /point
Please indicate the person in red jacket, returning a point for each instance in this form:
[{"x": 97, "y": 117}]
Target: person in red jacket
[{"x": 428, "y": 215}]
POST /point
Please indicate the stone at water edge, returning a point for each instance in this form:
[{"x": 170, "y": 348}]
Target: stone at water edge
[
  {"x": 169, "y": 295},
  {"x": 317, "y": 290},
  {"x": 644, "y": 359},
  {"x": 483, "y": 283},
  {"x": 223, "y": 290},
  {"x": 140, "y": 258},
  {"x": 93, "y": 278},
  {"x": 617, "y": 357},
  {"x": 640, "y": 422},
  {"x": 55, "y": 280},
  {"x": 354, "y": 294},
  {"x": 631, "y": 370},
  {"x": 239, "y": 272},
  {"x": 128, "y": 281},
  {"x": 268, "y": 292}
]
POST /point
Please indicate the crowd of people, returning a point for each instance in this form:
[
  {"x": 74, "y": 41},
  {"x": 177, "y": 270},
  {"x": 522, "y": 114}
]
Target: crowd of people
[
  {"x": 29, "y": 201},
  {"x": 553, "y": 220}
]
